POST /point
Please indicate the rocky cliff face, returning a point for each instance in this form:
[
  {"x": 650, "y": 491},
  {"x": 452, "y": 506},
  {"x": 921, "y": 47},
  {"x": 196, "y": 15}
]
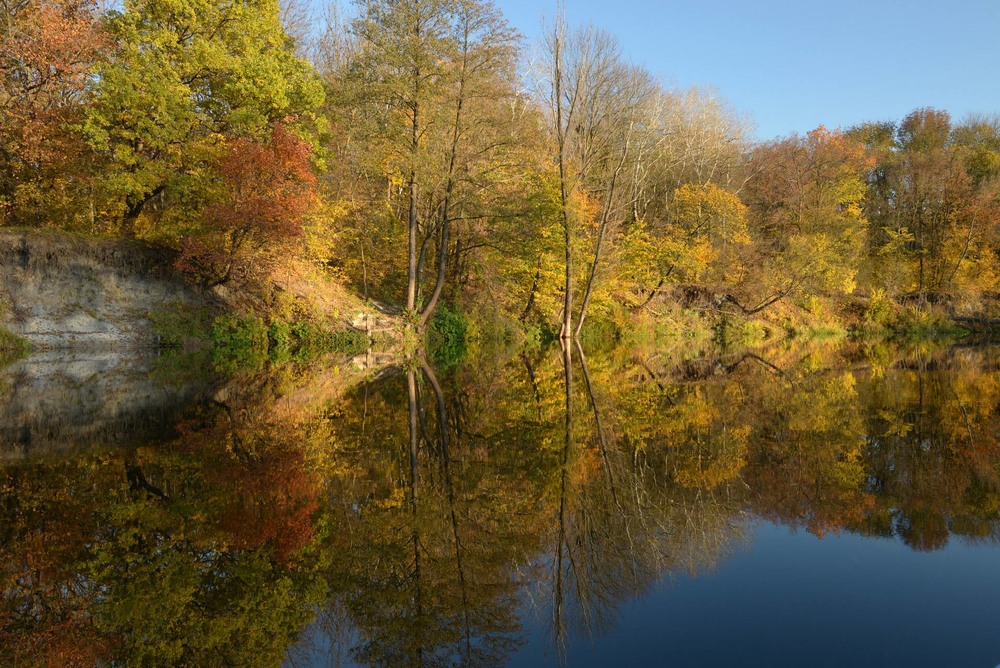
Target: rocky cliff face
[
  {"x": 94, "y": 378},
  {"x": 61, "y": 292}
]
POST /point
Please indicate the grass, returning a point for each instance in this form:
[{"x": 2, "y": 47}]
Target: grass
[
  {"x": 177, "y": 324},
  {"x": 12, "y": 347}
]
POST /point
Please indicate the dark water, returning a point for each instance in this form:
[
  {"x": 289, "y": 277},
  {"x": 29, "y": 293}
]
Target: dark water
[{"x": 830, "y": 505}]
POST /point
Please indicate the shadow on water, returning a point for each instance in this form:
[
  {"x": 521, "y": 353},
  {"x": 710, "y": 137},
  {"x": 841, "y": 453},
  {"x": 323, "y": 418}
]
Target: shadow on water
[{"x": 510, "y": 507}]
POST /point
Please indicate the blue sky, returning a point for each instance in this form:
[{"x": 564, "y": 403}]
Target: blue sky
[{"x": 794, "y": 65}]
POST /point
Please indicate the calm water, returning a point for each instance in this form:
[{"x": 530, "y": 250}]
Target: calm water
[{"x": 826, "y": 506}]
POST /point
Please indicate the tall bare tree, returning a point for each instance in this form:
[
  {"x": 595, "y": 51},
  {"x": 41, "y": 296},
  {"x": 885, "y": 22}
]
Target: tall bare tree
[{"x": 597, "y": 103}]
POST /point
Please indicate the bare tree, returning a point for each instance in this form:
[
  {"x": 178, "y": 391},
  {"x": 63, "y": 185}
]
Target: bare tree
[
  {"x": 563, "y": 107},
  {"x": 597, "y": 106},
  {"x": 298, "y": 19}
]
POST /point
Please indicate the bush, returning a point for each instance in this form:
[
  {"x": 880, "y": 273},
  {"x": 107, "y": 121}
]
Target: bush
[
  {"x": 917, "y": 324},
  {"x": 312, "y": 340},
  {"x": 880, "y": 309},
  {"x": 345, "y": 341},
  {"x": 279, "y": 336},
  {"x": 447, "y": 337},
  {"x": 737, "y": 332},
  {"x": 599, "y": 334},
  {"x": 239, "y": 342},
  {"x": 12, "y": 346}
]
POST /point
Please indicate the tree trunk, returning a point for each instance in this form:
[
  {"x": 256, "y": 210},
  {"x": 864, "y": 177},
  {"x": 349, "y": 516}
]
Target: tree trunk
[
  {"x": 439, "y": 283},
  {"x": 652, "y": 294},
  {"x": 428, "y": 310},
  {"x": 567, "y": 325},
  {"x": 601, "y": 234},
  {"x": 412, "y": 278},
  {"x": 135, "y": 210},
  {"x": 411, "y": 284},
  {"x": 534, "y": 291}
]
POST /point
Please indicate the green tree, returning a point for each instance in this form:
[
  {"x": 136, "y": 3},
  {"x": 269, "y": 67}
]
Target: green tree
[{"x": 183, "y": 75}]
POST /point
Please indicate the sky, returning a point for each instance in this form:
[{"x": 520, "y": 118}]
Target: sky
[{"x": 792, "y": 66}]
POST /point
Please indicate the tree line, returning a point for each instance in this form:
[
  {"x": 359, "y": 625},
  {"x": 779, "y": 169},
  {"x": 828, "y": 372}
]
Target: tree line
[{"x": 421, "y": 151}]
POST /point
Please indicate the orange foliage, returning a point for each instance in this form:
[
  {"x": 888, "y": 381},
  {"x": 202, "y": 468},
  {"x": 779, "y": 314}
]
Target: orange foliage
[
  {"x": 265, "y": 493},
  {"x": 46, "y": 51},
  {"x": 267, "y": 190}
]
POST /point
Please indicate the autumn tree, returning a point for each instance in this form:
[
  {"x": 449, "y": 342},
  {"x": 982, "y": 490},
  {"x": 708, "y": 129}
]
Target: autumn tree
[
  {"x": 402, "y": 51},
  {"x": 806, "y": 219},
  {"x": 181, "y": 78},
  {"x": 561, "y": 116},
  {"x": 598, "y": 106},
  {"x": 265, "y": 191},
  {"x": 47, "y": 50},
  {"x": 697, "y": 139},
  {"x": 689, "y": 174},
  {"x": 931, "y": 200},
  {"x": 706, "y": 236},
  {"x": 423, "y": 106}
]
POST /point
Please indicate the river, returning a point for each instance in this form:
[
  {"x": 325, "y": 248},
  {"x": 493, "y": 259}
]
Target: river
[{"x": 825, "y": 504}]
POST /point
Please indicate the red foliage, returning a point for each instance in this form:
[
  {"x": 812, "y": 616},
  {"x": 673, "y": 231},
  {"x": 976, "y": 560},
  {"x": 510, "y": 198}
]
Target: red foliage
[
  {"x": 44, "y": 605},
  {"x": 269, "y": 189},
  {"x": 264, "y": 493},
  {"x": 274, "y": 500}
]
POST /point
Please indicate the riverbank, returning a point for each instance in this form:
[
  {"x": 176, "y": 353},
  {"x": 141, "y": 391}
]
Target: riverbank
[
  {"x": 67, "y": 292},
  {"x": 690, "y": 315},
  {"x": 72, "y": 293}
]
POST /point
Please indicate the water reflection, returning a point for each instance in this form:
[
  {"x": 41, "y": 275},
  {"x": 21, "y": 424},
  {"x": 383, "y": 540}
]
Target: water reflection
[{"x": 310, "y": 517}]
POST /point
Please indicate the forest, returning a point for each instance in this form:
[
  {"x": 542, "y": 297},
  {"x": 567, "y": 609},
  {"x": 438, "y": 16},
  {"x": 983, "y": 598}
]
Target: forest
[
  {"x": 423, "y": 154},
  {"x": 754, "y": 331}
]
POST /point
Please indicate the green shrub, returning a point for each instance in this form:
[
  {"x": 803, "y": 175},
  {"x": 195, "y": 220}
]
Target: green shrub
[
  {"x": 246, "y": 342},
  {"x": 353, "y": 341},
  {"x": 880, "y": 309},
  {"x": 737, "y": 332},
  {"x": 447, "y": 337},
  {"x": 280, "y": 340},
  {"x": 12, "y": 347},
  {"x": 599, "y": 334},
  {"x": 922, "y": 324},
  {"x": 310, "y": 340},
  {"x": 240, "y": 342}
]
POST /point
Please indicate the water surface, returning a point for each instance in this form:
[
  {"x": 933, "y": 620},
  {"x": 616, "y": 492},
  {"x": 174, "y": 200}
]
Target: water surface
[{"x": 823, "y": 505}]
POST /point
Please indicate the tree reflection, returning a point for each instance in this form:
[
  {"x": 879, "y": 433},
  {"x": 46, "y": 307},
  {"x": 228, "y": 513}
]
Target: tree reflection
[
  {"x": 570, "y": 484},
  {"x": 192, "y": 551},
  {"x": 419, "y": 519},
  {"x": 429, "y": 576}
]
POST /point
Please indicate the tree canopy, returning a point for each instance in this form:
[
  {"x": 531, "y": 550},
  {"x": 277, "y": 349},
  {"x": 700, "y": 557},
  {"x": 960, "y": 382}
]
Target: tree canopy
[{"x": 423, "y": 154}]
